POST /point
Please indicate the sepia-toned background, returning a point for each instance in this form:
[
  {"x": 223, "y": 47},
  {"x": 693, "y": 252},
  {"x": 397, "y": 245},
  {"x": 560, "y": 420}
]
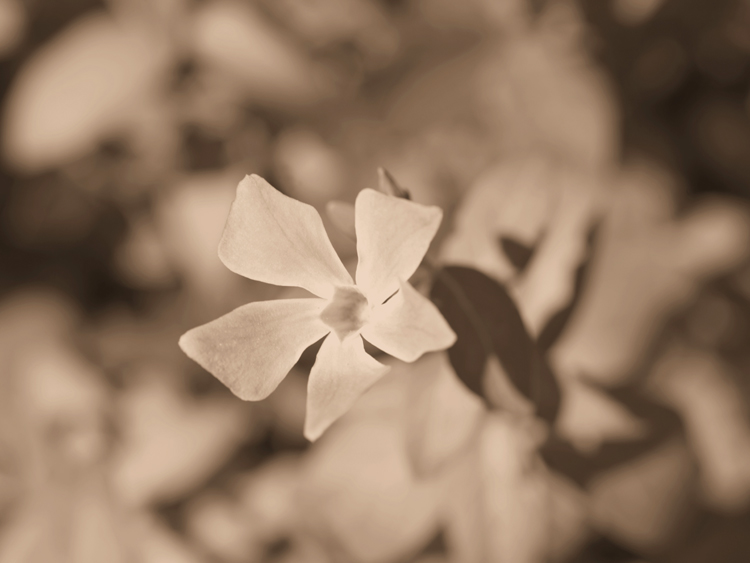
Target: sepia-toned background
[{"x": 593, "y": 156}]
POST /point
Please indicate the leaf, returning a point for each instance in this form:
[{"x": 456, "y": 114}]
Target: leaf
[
  {"x": 663, "y": 425},
  {"x": 700, "y": 387},
  {"x": 601, "y": 548},
  {"x": 649, "y": 262},
  {"x": 589, "y": 417},
  {"x": 77, "y": 89},
  {"x": 517, "y": 252},
  {"x": 442, "y": 417},
  {"x": 487, "y": 323},
  {"x": 341, "y": 214},
  {"x": 516, "y": 489},
  {"x": 551, "y": 97},
  {"x": 12, "y": 26},
  {"x": 556, "y": 323},
  {"x": 646, "y": 504},
  {"x": 498, "y": 507},
  {"x": 512, "y": 200},
  {"x": 525, "y": 223},
  {"x": 359, "y": 490},
  {"x": 171, "y": 442},
  {"x": 191, "y": 219},
  {"x": 236, "y": 38}
]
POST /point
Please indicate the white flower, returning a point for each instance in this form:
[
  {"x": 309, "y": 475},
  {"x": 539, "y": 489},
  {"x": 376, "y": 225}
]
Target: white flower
[{"x": 274, "y": 239}]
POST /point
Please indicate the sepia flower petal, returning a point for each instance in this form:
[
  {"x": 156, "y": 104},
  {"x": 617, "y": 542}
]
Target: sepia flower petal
[
  {"x": 393, "y": 235},
  {"x": 342, "y": 372},
  {"x": 251, "y": 349},
  {"x": 275, "y": 239},
  {"x": 408, "y": 325}
]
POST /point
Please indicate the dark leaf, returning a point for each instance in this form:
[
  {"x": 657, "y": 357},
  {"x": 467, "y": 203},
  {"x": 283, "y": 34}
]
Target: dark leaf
[
  {"x": 557, "y": 323},
  {"x": 202, "y": 150},
  {"x": 435, "y": 548},
  {"x": 603, "y": 550},
  {"x": 716, "y": 538},
  {"x": 487, "y": 323},
  {"x": 663, "y": 424},
  {"x": 518, "y": 253}
]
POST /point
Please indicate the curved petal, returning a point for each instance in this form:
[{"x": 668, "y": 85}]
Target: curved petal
[
  {"x": 408, "y": 325},
  {"x": 251, "y": 349},
  {"x": 393, "y": 235},
  {"x": 275, "y": 239},
  {"x": 342, "y": 372}
]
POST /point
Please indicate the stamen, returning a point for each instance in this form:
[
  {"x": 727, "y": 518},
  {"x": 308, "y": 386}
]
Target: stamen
[{"x": 347, "y": 311}]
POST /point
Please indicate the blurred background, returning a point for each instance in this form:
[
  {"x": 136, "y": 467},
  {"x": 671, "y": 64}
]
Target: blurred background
[{"x": 591, "y": 155}]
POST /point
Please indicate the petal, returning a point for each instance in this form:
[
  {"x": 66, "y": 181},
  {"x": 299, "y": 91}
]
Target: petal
[
  {"x": 408, "y": 325},
  {"x": 275, "y": 239},
  {"x": 342, "y": 372},
  {"x": 393, "y": 235},
  {"x": 251, "y": 349}
]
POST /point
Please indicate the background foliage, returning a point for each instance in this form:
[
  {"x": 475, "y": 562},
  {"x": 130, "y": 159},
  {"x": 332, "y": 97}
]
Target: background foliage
[{"x": 593, "y": 162}]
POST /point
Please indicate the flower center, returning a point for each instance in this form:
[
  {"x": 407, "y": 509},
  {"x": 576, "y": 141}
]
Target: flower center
[{"x": 347, "y": 311}]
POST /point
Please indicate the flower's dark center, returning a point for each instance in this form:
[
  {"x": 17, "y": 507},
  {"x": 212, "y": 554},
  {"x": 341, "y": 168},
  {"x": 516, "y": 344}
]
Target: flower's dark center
[{"x": 347, "y": 311}]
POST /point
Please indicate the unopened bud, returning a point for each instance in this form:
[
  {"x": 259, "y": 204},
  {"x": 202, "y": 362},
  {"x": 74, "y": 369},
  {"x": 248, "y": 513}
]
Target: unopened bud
[{"x": 388, "y": 185}]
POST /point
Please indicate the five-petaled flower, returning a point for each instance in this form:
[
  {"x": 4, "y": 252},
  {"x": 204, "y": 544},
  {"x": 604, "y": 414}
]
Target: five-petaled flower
[{"x": 275, "y": 239}]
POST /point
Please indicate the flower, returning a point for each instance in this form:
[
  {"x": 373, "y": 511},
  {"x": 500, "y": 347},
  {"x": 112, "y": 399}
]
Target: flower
[{"x": 275, "y": 239}]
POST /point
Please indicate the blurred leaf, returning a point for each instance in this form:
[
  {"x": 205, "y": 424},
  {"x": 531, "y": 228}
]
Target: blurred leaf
[
  {"x": 512, "y": 200},
  {"x": 442, "y": 416},
  {"x": 556, "y": 323},
  {"x": 154, "y": 542},
  {"x": 12, "y": 25},
  {"x": 215, "y": 522},
  {"x": 500, "y": 391},
  {"x": 57, "y": 235},
  {"x": 341, "y": 214},
  {"x": 487, "y": 324},
  {"x": 542, "y": 89},
  {"x": 662, "y": 424},
  {"x": 649, "y": 262},
  {"x": 716, "y": 539},
  {"x": 238, "y": 39},
  {"x": 499, "y": 509},
  {"x": 569, "y": 517},
  {"x": 435, "y": 551},
  {"x": 191, "y": 219},
  {"x": 526, "y": 223},
  {"x": 359, "y": 490},
  {"x": 644, "y": 504},
  {"x": 75, "y": 522},
  {"x": 258, "y": 509},
  {"x": 330, "y": 23},
  {"x": 141, "y": 261},
  {"x": 548, "y": 284},
  {"x": 589, "y": 417},
  {"x": 171, "y": 441},
  {"x": 78, "y": 89},
  {"x": 308, "y": 167},
  {"x": 635, "y": 12},
  {"x": 202, "y": 151},
  {"x": 517, "y": 252},
  {"x": 701, "y": 389},
  {"x": 603, "y": 550}
]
